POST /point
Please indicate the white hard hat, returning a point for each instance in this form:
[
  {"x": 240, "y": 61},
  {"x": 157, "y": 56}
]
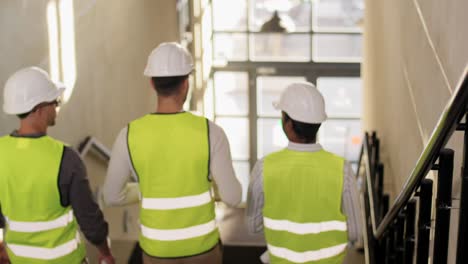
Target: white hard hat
[
  {"x": 27, "y": 88},
  {"x": 303, "y": 103},
  {"x": 169, "y": 59}
]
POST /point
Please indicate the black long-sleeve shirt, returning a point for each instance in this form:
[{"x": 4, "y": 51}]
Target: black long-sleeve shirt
[{"x": 75, "y": 191}]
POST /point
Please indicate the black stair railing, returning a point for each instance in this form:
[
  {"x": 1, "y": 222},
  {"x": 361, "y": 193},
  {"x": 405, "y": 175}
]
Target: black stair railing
[{"x": 392, "y": 234}]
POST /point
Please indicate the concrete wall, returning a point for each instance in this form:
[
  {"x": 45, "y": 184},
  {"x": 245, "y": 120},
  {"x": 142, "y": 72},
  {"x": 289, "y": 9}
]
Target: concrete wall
[
  {"x": 415, "y": 52},
  {"x": 113, "y": 39}
]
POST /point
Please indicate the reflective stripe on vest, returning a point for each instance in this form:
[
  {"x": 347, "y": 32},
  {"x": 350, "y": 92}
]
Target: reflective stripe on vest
[
  {"x": 301, "y": 257},
  {"x": 178, "y": 234},
  {"x": 304, "y": 228},
  {"x": 45, "y": 253},
  {"x": 176, "y": 203},
  {"x": 30, "y": 227}
]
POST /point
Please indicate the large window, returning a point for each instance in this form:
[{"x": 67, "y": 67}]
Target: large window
[
  {"x": 341, "y": 133},
  {"x": 301, "y": 31},
  {"x": 228, "y": 105},
  {"x": 256, "y": 48}
]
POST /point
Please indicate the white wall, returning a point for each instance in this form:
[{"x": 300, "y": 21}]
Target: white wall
[{"x": 415, "y": 52}]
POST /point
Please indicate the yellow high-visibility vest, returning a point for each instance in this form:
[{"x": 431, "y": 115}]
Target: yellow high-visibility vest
[
  {"x": 38, "y": 228},
  {"x": 170, "y": 154},
  {"x": 303, "y": 221}
]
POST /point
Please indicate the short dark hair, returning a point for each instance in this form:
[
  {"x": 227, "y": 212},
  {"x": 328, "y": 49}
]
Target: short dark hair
[
  {"x": 167, "y": 86},
  {"x": 24, "y": 115},
  {"x": 305, "y": 131}
]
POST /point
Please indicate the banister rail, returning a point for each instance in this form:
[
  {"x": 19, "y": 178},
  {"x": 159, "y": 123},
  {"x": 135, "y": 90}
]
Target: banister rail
[{"x": 447, "y": 124}]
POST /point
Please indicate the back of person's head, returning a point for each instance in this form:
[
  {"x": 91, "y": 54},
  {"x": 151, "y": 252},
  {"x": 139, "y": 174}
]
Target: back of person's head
[
  {"x": 26, "y": 89},
  {"x": 167, "y": 86},
  {"x": 169, "y": 65},
  {"x": 304, "y": 105},
  {"x": 305, "y": 131}
]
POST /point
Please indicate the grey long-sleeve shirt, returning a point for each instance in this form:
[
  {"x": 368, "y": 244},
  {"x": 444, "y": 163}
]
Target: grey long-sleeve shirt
[
  {"x": 74, "y": 191},
  {"x": 349, "y": 204},
  {"x": 117, "y": 191}
]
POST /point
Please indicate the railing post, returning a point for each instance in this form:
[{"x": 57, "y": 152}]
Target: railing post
[
  {"x": 374, "y": 155},
  {"x": 424, "y": 222},
  {"x": 379, "y": 190},
  {"x": 380, "y": 181},
  {"x": 409, "y": 231},
  {"x": 369, "y": 240},
  {"x": 373, "y": 137},
  {"x": 399, "y": 238},
  {"x": 385, "y": 204},
  {"x": 390, "y": 258},
  {"x": 462, "y": 256},
  {"x": 443, "y": 206},
  {"x": 382, "y": 249},
  {"x": 382, "y": 254},
  {"x": 377, "y": 151}
]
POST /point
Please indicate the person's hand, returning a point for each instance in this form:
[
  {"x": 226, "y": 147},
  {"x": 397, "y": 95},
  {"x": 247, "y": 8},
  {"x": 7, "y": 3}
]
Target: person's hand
[
  {"x": 105, "y": 254},
  {"x": 106, "y": 259},
  {"x": 4, "y": 259}
]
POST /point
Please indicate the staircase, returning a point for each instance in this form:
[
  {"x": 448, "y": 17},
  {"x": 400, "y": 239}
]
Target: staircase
[{"x": 402, "y": 233}]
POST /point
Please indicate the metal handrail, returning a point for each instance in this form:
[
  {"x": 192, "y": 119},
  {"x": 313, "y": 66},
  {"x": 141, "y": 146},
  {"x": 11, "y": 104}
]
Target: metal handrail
[
  {"x": 370, "y": 189},
  {"x": 447, "y": 124}
]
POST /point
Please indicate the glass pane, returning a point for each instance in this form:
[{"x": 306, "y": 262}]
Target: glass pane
[
  {"x": 231, "y": 47},
  {"x": 207, "y": 60},
  {"x": 231, "y": 93},
  {"x": 184, "y": 19},
  {"x": 269, "y": 90},
  {"x": 338, "y": 15},
  {"x": 206, "y": 42},
  {"x": 337, "y": 47},
  {"x": 198, "y": 74},
  {"x": 208, "y": 101},
  {"x": 342, "y": 137},
  {"x": 229, "y": 15},
  {"x": 270, "y": 137},
  {"x": 204, "y": 3},
  {"x": 294, "y": 14},
  {"x": 342, "y": 96},
  {"x": 197, "y": 41},
  {"x": 206, "y": 28},
  {"x": 196, "y": 7},
  {"x": 280, "y": 47},
  {"x": 188, "y": 100},
  {"x": 242, "y": 169},
  {"x": 237, "y": 132}
]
